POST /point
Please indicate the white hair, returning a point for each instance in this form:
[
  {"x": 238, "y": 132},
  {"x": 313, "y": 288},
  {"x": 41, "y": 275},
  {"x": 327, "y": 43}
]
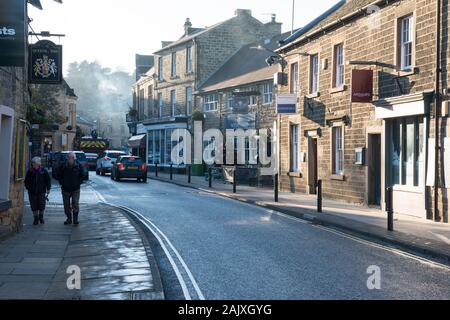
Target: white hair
[{"x": 36, "y": 160}]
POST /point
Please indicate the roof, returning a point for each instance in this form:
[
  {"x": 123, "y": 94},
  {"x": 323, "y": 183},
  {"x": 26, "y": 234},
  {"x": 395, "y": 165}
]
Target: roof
[
  {"x": 191, "y": 36},
  {"x": 338, "y": 11},
  {"x": 246, "y": 66}
]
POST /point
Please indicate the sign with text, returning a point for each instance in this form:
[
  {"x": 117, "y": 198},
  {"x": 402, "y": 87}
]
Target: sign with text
[
  {"x": 286, "y": 103},
  {"x": 45, "y": 63},
  {"x": 12, "y": 33},
  {"x": 362, "y": 86}
]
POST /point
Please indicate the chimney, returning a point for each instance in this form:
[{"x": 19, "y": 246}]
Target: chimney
[
  {"x": 187, "y": 26},
  {"x": 242, "y": 12},
  {"x": 273, "y": 27}
]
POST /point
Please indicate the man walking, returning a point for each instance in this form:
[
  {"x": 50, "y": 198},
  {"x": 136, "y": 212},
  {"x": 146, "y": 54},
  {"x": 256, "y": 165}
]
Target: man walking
[
  {"x": 38, "y": 184},
  {"x": 70, "y": 176}
]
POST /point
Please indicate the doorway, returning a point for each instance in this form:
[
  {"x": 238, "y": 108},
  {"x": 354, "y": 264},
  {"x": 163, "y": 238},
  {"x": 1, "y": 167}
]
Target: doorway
[
  {"x": 312, "y": 165},
  {"x": 374, "y": 166}
]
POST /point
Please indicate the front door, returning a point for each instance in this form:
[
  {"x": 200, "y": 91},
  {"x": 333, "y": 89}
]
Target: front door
[
  {"x": 374, "y": 165},
  {"x": 312, "y": 165}
]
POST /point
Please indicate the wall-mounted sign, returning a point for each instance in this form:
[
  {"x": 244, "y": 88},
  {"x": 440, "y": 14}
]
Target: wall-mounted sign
[
  {"x": 45, "y": 63},
  {"x": 362, "y": 86},
  {"x": 241, "y": 121},
  {"x": 286, "y": 103},
  {"x": 12, "y": 33}
]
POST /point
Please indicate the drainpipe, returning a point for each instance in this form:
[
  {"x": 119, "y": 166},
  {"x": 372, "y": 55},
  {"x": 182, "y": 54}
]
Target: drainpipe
[{"x": 437, "y": 101}]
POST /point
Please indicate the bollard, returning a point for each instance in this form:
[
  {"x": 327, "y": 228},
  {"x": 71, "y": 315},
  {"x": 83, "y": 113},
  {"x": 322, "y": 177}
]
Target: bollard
[
  {"x": 389, "y": 209},
  {"x": 234, "y": 180},
  {"x": 156, "y": 169},
  {"x": 171, "y": 171},
  {"x": 210, "y": 177},
  {"x": 319, "y": 196},
  {"x": 275, "y": 187},
  {"x": 189, "y": 173}
]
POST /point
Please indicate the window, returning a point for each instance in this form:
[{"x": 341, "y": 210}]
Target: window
[
  {"x": 338, "y": 80},
  {"x": 189, "y": 60},
  {"x": 253, "y": 101},
  {"x": 338, "y": 150},
  {"x": 21, "y": 150},
  {"x": 6, "y": 132},
  {"x": 210, "y": 103},
  {"x": 173, "y": 69},
  {"x": 189, "y": 100},
  {"x": 314, "y": 74},
  {"x": 406, "y": 42},
  {"x": 173, "y": 102},
  {"x": 150, "y": 102},
  {"x": 407, "y": 151},
  {"x": 295, "y": 148},
  {"x": 141, "y": 103},
  {"x": 267, "y": 93},
  {"x": 160, "y": 69},
  {"x": 229, "y": 100},
  {"x": 160, "y": 104},
  {"x": 294, "y": 78}
]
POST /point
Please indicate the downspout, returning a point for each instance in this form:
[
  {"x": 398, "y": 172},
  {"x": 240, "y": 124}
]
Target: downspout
[{"x": 437, "y": 102}]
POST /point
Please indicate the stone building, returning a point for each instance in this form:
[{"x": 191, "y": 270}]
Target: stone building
[
  {"x": 360, "y": 149},
  {"x": 14, "y": 147},
  {"x": 181, "y": 66},
  {"x": 239, "y": 95}
]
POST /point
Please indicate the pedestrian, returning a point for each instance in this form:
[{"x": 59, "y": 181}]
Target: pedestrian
[
  {"x": 70, "y": 176},
  {"x": 38, "y": 184}
]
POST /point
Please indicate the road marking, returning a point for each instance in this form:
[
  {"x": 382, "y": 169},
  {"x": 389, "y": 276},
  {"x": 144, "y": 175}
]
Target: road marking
[
  {"x": 166, "y": 251},
  {"x": 442, "y": 237},
  {"x": 180, "y": 259}
]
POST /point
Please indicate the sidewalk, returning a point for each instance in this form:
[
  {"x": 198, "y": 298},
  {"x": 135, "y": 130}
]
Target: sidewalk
[
  {"x": 412, "y": 234},
  {"x": 116, "y": 262}
]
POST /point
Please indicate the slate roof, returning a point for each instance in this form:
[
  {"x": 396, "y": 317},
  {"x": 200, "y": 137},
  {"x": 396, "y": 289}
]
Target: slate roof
[
  {"x": 340, "y": 10},
  {"x": 246, "y": 66}
]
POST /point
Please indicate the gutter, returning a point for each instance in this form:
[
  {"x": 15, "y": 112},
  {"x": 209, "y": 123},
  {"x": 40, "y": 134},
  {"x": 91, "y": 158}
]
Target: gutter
[{"x": 339, "y": 22}]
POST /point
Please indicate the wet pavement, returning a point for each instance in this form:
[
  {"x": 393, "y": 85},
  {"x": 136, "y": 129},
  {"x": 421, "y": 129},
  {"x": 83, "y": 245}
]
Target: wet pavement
[{"x": 113, "y": 260}]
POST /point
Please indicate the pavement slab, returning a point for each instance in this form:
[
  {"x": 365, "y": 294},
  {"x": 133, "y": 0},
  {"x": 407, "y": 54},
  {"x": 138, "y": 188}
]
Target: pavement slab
[{"x": 106, "y": 246}]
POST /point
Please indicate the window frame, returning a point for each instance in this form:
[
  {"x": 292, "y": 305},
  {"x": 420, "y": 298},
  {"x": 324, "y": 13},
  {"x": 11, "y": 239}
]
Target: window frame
[
  {"x": 210, "y": 100},
  {"x": 160, "y": 104},
  {"x": 189, "y": 107},
  {"x": 294, "y": 143},
  {"x": 294, "y": 87},
  {"x": 314, "y": 78},
  {"x": 189, "y": 60},
  {"x": 173, "y": 102},
  {"x": 161, "y": 68},
  {"x": 400, "y": 56},
  {"x": 338, "y": 66},
  {"x": 267, "y": 95},
  {"x": 337, "y": 155},
  {"x": 173, "y": 64}
]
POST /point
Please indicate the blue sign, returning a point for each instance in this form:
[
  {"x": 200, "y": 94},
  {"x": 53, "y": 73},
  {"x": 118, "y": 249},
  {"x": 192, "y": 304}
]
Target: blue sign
[{"x": 286, "y": 103}]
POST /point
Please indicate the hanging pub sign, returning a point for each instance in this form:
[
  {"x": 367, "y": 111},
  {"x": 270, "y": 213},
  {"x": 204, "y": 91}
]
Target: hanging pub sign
[
  {"x": 45, "y": 63},
  {"x": 12, "y": 33},
  {"x": 362, "y": 86}
]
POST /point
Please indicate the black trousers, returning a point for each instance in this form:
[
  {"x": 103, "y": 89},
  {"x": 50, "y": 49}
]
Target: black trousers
[{"x": 37, "y": 201}]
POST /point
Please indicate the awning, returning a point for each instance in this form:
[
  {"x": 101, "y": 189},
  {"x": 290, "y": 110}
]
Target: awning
[{"x": 138, "y": 141}]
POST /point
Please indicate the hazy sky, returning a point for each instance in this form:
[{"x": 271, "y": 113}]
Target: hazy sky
[{"x": 112, "y": 31}]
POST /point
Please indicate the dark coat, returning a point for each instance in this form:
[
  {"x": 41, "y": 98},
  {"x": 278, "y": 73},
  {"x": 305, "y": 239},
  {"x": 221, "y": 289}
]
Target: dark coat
[
  {"x": 38, "y": 181},
  {"x": 70, "y": 177}
]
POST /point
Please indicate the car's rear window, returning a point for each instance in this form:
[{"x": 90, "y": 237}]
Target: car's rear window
[
  {"x": 114, "y": 155},
  {"x": 134, "y": 161},
  {"x": 80, "y": 156}
]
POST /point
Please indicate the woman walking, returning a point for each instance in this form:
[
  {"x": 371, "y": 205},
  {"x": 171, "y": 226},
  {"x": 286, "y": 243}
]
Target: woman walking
[{"x": 38, "y": 184}]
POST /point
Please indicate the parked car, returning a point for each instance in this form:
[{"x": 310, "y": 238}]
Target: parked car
[
  {"x": 92, "y": 160},
  {"x": 106, "y": 160},
  {"x": 129, "y": 167},
  {"x": 60, "y": 158}
]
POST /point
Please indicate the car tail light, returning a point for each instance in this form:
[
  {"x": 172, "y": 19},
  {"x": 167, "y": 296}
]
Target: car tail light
[
  {"x": 106, "y": 158},
  {"x": 120, "y": 166},
  {"x": 144, "y": 167},
  {"x": 85, "y": 165}
]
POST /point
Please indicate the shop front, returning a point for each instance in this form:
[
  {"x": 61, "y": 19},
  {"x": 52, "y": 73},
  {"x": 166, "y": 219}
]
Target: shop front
[{"x": 406, "y": 130}]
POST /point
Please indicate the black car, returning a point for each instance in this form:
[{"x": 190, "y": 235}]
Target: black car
[{"x": 129, "y": 167}]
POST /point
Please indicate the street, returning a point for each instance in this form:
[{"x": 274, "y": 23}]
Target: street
[{"x": 224, "y": 249}]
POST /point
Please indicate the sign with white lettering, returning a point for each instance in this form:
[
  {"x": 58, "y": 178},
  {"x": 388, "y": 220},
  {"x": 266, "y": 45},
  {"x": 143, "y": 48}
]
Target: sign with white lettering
[
  {"x": 286, "y": 103},
  {"x": 45, "y": 63},
  {"x": 12, "y": 33}
]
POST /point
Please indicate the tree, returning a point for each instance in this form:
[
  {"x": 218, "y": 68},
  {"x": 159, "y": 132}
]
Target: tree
[{"x": 45, "y": 109}]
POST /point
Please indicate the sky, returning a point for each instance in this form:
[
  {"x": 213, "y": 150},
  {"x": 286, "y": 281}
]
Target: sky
[{"x": 113, "y": 31}]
